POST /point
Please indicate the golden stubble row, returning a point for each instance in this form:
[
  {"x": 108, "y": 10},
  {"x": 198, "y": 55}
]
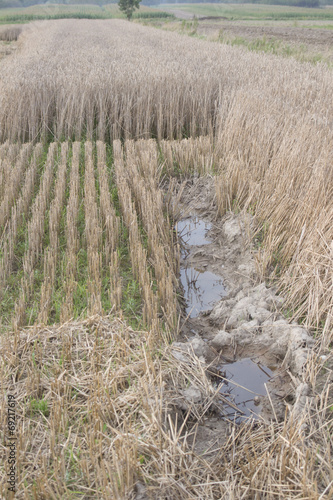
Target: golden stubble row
[
  {"x": 8, "y": 154},
  {"x": 13, "y": 182},
  {"x": 18, "y": 214},
  {"x": 51, "y": 253},
  {"x": 102, "y": 230},
  {"x": 35, "y": 232},
  {"x": 35, "y": 217},
  {"x": 93, "y": 233},
  {"x": 72, "y": 236},
  {"x": 143, "y": 171},
  {"x": 138, "y": 253},
  {"x": 111, "y": 227}
]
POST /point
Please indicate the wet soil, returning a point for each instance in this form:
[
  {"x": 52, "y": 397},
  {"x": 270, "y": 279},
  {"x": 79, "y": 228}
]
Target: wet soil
[
  {"x": 233, "y": 323},
  {"x": 202, "y": 288}
]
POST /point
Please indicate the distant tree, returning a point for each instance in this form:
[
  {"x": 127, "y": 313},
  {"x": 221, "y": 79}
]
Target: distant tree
[{"x": 128, "y": 7}]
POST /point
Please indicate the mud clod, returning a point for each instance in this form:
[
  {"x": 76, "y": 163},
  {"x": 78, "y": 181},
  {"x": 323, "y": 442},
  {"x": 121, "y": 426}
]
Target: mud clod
[{"x": 221, "y": 340}]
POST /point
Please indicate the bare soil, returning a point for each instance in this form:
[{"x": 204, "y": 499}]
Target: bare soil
[{"x": 319, "y": 38}]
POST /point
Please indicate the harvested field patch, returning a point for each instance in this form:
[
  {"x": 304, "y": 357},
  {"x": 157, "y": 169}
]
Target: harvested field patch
[
  {"x": 64, "y": 248},
  {"x": 322, "y": 38}
]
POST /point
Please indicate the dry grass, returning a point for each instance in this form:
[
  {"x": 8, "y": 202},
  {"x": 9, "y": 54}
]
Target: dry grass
[
  {"x": 143, "y": 171},
  {"x": 34, "y": 245},
  {"x": 19, "y": 211},
  {"x": 93, "y": 233},
  {"x": 97, "y": 417},
  {"x": 72, "y": 237}
]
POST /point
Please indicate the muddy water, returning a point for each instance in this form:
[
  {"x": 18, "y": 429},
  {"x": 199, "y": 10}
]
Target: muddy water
[
  {"x": 201, "y": 288},
  {"x": 244, "y": 380},
  {"x": 244, "y": 385},
  {"x": 193, "y": 231}
]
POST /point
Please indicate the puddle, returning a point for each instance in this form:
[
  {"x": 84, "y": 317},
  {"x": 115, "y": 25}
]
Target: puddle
[
  {"x": 193, "y": 231},
  {"x": 244, "y": 383},
  {"x": 201, "y": 290},
  {"x": 251, "y": 375}
]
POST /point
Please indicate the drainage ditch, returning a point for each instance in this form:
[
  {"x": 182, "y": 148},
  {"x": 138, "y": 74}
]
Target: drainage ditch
[{"x": 232, "y": 324}]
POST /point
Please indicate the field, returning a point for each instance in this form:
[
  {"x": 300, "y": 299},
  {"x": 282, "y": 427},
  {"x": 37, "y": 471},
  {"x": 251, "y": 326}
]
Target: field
[
  {"x": 304, "y": 34},
  {"x": 255, "y": 12},
  {"x": 113, "y": 136},
  {"x": 63, "y": 11}
]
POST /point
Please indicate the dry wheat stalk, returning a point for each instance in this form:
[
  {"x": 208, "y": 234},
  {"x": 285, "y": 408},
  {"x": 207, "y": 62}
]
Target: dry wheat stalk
[
  {"x": 189, "y": 155},
  {"x": 35, "y": 233},
  {"x": 18, "y": 214},
  {"x": 278, "y": 169},
  {"x": 72, "y": 236},
  {"x": 93, "y": 233},
  {"x": 93, "y": 89},
  {"x": 109, "y": 219},
  {"x": 137, "y": 251},
  {"x": 111, "y": 226},
  {"x": 13, "y": 184},
  {"x": 115, "y": 291},
  {"x": 3, "y": 151},
  {"x": 10, "y": 152},
  {"x": 51, "y": 253},
  {"x": 143, "y": 172}
]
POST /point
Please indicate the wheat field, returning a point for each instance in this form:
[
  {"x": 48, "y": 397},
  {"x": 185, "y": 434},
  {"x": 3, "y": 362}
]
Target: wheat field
[
  {"x": 110, "y": 86},
  {"x": 101, "y": 122}
]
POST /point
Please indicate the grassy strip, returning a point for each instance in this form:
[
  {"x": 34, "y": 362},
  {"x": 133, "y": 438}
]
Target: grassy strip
[
  {"x": 24, "y": 18},
  {"x": 53, "y": 12},
  {"x": 80, "y": 297},
  {"x": 153, "y": 15}
]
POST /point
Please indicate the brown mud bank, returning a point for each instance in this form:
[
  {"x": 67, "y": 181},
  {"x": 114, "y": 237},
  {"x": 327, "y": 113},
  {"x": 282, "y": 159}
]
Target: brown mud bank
[{"x": 233, "y": 324}]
